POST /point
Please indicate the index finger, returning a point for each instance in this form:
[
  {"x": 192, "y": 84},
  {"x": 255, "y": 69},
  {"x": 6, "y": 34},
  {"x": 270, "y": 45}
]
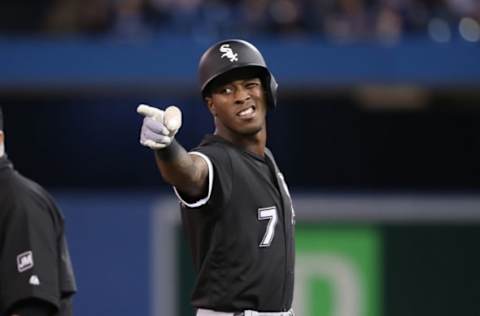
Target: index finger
[{"x": 148, "y": 111}]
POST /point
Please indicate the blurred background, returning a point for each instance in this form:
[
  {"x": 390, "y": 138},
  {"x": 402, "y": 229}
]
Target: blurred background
[{"x": 377, "y": 133}]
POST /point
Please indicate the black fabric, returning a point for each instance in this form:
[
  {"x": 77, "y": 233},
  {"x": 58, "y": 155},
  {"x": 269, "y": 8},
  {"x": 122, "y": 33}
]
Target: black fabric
[
  {"x": 1, "y": 119},
  {"x": 236, "y": 273},
  {"x": 32, "y": 307},
  {"x": 35, "y": 262}
]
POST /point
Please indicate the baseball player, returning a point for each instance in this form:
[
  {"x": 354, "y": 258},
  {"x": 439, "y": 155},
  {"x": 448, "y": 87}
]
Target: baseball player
[
  {"x": 235, "y": 205},
  {"x": 36, "y": 277}
]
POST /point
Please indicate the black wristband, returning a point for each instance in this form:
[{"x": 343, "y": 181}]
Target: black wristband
[{"x": 170, "y": 152}]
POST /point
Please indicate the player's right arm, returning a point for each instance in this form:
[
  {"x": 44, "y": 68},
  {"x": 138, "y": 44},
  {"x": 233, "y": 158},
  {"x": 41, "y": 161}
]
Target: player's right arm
[{"x": 187, "y": 173}]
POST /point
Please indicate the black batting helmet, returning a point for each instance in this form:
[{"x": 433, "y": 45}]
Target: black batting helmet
[{"x": 233, "y": 54}]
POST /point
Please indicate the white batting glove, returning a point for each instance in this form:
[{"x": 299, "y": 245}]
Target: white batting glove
[{"x": 159, "y": 127}]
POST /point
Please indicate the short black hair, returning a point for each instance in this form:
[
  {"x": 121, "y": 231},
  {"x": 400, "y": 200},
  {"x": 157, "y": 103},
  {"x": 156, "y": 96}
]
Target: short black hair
[{"x": 1, "y": 119}]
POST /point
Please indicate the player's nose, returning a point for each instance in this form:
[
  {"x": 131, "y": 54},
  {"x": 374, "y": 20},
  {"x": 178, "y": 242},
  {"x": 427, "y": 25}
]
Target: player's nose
[{"x": 241, "y": 95}]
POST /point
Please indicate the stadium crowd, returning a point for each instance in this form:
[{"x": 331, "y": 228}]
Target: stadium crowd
[{"x": 339, "y": 20}]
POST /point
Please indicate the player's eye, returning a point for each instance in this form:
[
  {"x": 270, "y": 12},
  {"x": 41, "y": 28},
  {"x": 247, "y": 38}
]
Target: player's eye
[
  {"x": 226, "y": 90},
  {"x": 252, "y": 84}
]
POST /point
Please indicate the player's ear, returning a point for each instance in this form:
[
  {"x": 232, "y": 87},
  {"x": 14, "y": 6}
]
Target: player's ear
[
  {"x": 210, "y": 105},
  {"x": 2, "y": 137}
]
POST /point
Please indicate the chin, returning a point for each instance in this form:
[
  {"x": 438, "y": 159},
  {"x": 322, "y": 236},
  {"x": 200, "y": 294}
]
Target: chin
[{"x": 251, "y": 130}]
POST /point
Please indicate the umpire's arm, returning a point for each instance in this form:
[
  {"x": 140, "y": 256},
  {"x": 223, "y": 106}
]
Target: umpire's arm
[{"x": 32, "y": 307}]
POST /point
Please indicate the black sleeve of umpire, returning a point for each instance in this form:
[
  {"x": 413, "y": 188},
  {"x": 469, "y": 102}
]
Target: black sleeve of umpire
[
  {"x": 29, "y": 268},
  {"x": 32, "y": 307}
]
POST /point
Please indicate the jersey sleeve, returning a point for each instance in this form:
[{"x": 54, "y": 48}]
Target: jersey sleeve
[
  {"x": 32, "y": 307},
  {"x": 219, "y": 178},
  {"x": 29, "y": 265}
]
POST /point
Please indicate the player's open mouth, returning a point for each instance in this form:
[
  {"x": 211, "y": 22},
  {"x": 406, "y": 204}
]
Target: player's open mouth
[{"x": 247, "y": 113}]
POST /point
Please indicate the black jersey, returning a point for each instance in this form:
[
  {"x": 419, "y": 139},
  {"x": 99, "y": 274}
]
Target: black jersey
[
  {"x": 242, "y": 234},
  {"x": 34, "y": 258}
]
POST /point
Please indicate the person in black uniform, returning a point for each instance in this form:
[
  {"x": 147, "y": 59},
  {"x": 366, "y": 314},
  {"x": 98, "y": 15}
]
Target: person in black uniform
[
  {"x": 36, "y": 276},
  {"x": 236, "y": 208}
]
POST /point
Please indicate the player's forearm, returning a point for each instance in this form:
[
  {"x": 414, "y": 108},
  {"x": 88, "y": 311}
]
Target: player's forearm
[{"x": 179, "y": 169}]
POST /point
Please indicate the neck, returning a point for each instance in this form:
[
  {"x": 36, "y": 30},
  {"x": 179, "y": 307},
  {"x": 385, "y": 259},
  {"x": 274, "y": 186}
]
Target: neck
[{"x": 254, "y": 143}]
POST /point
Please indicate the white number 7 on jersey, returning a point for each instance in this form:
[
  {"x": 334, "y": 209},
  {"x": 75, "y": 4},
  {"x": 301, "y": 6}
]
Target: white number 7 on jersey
[{"x": 269, "y": 213}]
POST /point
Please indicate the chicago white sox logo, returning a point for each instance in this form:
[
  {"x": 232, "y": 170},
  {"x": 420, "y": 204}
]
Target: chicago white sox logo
[{"x": 228, "y": 52}]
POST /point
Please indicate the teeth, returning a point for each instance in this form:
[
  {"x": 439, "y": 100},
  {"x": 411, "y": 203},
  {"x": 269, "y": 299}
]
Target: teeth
[{"x": 246, "y": 112}]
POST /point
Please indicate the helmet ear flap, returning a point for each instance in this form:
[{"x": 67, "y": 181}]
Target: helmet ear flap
[{"x": 273, "y": 91}]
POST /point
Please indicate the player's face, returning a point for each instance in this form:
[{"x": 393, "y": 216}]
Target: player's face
[{"x": 239, "y": 106}]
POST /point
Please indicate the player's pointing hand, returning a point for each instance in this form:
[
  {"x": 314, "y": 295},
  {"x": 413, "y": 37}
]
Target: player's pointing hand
[{"x": 159, "y": 127}]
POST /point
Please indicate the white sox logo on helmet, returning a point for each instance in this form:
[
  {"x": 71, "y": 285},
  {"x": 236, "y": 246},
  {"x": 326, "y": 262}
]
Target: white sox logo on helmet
[{"x": 228, "y": 52}]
